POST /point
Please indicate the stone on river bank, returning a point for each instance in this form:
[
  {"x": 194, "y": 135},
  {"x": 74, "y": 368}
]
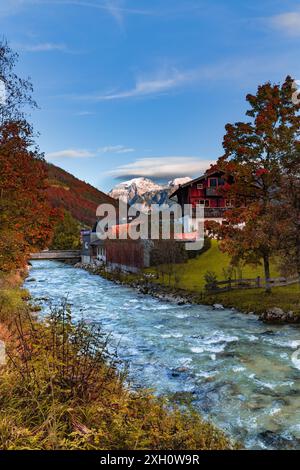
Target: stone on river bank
[{"x": 278, "y": 316}]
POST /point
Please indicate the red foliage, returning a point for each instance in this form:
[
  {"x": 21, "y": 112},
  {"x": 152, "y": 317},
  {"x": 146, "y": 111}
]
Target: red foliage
[
  {"x": 24, "y": 211},
  {"x": 77, "y": 197},
  {"x": 261, "y": 171}
]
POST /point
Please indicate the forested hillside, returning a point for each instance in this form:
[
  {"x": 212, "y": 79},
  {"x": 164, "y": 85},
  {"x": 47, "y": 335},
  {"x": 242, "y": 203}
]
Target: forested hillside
[{"x": 80, "y": 199}]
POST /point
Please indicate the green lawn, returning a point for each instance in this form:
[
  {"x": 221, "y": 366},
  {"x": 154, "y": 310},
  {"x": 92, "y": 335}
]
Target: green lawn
[
  {"x": 258, "y": 301},
  {"x": 190, "y": 276}
]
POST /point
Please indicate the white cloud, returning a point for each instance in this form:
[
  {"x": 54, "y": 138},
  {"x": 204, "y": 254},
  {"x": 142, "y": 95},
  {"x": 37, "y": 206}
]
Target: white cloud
[
  {"x": 116, "y": 149},
  {"x": 167, "y": 80},
  {"x": 84, "y": 113},
  {"x": 70, "y": 153},
  {"x": 287, "y": 22},
  {"x": 42, "y": 47},
  {"x": 83, "y": 153},
  {"x": 113, "y": 7},
  {"x": 163, "y": 82},
  {"x": 162, "y": 167}
]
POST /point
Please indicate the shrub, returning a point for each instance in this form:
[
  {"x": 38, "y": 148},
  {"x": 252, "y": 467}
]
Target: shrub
[
  {"x": 211, "y": 280},
  {"x": 61, "y": 390},
  {"x": 229, "y": 273},
  {"x": 11, "y": 302}
]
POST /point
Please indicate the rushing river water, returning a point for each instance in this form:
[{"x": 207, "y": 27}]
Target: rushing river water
[{"x": 239, "y": 372}]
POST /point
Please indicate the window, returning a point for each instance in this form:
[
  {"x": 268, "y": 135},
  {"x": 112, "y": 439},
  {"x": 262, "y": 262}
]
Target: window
[
  {"x": 204, "y": 202},
  {"x": 229, "y": 203},
  {"x": 199, "y": 186},
  {"x": 221, "y": 181},
  {"x": 213, "y": 182}
]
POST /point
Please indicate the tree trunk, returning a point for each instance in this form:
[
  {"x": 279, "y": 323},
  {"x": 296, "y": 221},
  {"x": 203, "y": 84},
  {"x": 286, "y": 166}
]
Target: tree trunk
[{"x": 267, "y": 272}]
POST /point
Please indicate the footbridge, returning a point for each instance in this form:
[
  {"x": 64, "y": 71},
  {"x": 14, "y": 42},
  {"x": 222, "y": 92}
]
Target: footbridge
[{"x": 58, "y": 255}]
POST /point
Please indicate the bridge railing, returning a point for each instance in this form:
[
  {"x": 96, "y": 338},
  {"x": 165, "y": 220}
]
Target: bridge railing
[{"x": 56, "y": 254}]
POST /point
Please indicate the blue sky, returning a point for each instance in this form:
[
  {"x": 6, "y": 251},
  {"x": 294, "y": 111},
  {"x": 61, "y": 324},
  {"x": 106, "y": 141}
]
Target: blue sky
[{"x": 144, "y": 87}]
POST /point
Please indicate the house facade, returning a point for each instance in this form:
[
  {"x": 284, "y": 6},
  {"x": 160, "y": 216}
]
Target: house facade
[
  {"x": 126, "y": 254},
  {"x": 123, "y": 252},
  {"x": 116, "y": 253},
  {"x": 207, "y": 192}
]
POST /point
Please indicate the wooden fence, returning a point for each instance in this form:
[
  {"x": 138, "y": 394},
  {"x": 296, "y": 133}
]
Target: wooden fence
[{"x": 255, "y": 283}]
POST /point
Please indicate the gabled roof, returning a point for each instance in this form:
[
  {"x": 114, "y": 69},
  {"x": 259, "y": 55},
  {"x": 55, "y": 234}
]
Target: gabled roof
[{"x": 196, "y": 180}]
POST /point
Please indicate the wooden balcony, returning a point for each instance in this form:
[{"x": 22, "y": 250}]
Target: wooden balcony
[
  {"x": 212, "y": 192},
  {"x": 213, "y": 212}
]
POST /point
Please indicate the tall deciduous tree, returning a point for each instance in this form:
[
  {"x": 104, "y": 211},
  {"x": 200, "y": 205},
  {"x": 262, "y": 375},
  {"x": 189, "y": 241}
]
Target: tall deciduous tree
[
  {"x": 256, "y": 156},
  {"x": 26, "y": 219},
  {"x": 24, "y": 209}
]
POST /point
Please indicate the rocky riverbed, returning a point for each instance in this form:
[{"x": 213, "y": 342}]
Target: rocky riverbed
[{"x": 144, "y": 285}]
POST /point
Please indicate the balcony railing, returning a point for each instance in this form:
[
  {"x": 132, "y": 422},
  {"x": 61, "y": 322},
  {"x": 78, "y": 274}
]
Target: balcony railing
[
  {"x": 212, "y": 212},
  {"x": 212, "y": 192}
]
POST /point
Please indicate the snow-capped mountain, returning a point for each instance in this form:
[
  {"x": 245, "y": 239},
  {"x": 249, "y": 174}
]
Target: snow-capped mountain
[
  {"x": 178, "y": 182},
  {"x": 129, "y": 191},
  {"x": 144, "y": 191}
]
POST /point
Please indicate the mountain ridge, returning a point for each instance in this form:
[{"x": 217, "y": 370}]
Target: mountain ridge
[{"x": 145, "y": 191}]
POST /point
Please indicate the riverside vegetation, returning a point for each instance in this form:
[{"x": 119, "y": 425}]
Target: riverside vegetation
[{"x": 61, "y": 389}]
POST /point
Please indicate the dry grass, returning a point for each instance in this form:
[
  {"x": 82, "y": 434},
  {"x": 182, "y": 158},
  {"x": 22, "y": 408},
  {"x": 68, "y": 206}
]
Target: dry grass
[{"x": 61, "y": 389}]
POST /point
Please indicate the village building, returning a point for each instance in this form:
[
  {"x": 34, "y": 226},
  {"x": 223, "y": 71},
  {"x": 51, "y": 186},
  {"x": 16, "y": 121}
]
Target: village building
[
  {"x": 126, "y": 254},
  {"x": 122, "y": 252},
  {"x": 206, "y": 191}
]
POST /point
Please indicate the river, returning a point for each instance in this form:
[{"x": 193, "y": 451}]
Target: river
[{"x": 240, "y": 373}]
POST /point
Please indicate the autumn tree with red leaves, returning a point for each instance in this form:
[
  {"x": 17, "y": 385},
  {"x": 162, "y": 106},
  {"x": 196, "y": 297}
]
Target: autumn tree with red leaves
[
  {"x": 26, "y": 219},
  {"x": 256, "y": 156}
]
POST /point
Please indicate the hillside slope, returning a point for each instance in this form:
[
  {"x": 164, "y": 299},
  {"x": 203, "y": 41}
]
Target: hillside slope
[{"x": 77, "y": 197}]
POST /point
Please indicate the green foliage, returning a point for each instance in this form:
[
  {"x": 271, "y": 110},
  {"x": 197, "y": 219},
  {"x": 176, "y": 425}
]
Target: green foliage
[
  {"x": 229, "y": 272},
  {"x": 11, "y": 301},
  {"x": 192, "y": 273},
  {"x": 256, "y": 300},
  {"x": 66, "y": 234}
]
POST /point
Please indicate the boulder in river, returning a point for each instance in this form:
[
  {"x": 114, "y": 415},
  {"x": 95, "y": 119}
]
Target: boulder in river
[{"x": 218, "y": 307}]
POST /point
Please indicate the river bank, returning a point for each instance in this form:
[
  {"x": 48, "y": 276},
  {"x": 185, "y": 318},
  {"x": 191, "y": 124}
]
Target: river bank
[
  {"x": 237, "y": 372},
  {"x": 56, "y": 395},
  {"x": 249, "y": 301}
]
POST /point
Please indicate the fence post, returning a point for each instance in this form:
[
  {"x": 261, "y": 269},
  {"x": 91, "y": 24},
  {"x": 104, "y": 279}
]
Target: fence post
[
  {"x": 229, "y": 283},
  {"x": 258, "y": 281}
]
